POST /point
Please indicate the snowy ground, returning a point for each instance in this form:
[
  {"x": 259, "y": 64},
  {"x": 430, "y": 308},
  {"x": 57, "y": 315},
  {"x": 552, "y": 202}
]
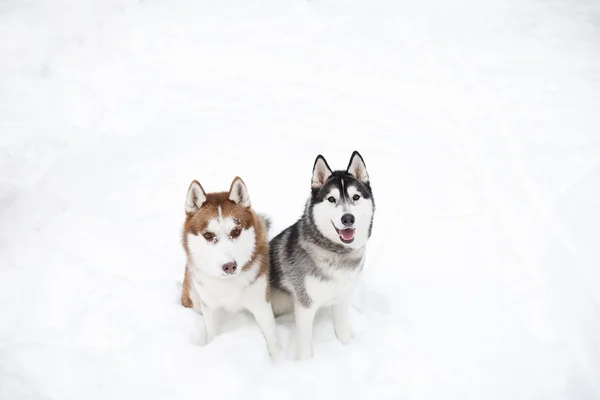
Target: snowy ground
[{"x": 479, "y": 122}]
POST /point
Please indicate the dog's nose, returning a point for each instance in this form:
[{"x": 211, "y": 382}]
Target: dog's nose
[
  {"x": 348, "y": 219},
  {"x": 230, "y": 267}
]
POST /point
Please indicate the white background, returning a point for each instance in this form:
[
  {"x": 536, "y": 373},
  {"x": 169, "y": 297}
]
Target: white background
[{"x": 479, "y": 122}]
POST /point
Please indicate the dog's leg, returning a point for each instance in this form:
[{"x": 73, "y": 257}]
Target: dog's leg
[
  {"x": 281, "y": 302},
  {"x": 211, "y": 325},
  {"x": 263, "y": 313},
  {"x": 186, "y": 299},
  {"x": 305, "y": 317},
  {"x": 257, "y": 302},
  {"x": 341, "y": 325}
]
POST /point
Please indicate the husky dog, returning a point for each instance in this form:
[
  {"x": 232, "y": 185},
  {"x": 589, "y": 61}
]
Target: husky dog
[
  {"x": 227, "y": 259},
  {"x": 317, "y": 261}
]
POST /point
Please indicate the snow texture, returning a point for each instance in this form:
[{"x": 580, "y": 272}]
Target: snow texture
[{"x": 479, "y": 124}]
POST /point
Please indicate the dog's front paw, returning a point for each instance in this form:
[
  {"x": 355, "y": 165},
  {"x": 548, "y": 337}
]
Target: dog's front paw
[
  {"x": 201, "y": 338},
  {"x": 304, "y": 354},
  {"x": 198, "y": 338},
  {"x": 200, "y": 335},
  {"x": 344, "y": 335},
  {"x": 276, "y": 355},
  {"x": 304, "y": 357},
  {"x": 345, "y": 338}
]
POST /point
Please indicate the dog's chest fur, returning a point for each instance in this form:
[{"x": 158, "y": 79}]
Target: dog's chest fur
[
  {"x": 327, "y": 292},
  {"x": 231, "y": 294},
  {"x": 339, "y": 274}
]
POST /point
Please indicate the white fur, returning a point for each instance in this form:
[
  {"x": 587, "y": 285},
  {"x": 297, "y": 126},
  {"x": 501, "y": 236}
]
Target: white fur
[
  {"x": 194, "y": 198},
  {"x": 321, "y": 172},
  {"x": 341, "y": 323},
  {"x": 352, "y": 191},
  {"x": 335, "y": 292},
  {"x": 239, "y": 193},
  {"x": 326, "y": 293},
  {"x": 209, "y": 256},
  {"x": 333, "y": 193},
  {"x": 358, "y": 169},
  {"x": 326, "y": 213},
  {"x": 304, "y": 328},
  {"x": 209, "y": 294}
]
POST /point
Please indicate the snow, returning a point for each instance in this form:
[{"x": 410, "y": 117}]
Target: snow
[{"x": 477, "y": 119}]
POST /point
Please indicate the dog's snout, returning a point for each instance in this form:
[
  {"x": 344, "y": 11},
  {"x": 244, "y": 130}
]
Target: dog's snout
[
  {"x": 230, "y": 267},
  {"x": 348, "y": 219}
]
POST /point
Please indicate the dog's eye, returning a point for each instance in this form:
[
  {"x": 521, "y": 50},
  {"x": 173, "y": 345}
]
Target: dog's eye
[
  {"x": 331, "y": 199},
  {"x": 236, "y": 232},
  {"x": 355, "y": 197},
  {"x": 208, "y": 235}
]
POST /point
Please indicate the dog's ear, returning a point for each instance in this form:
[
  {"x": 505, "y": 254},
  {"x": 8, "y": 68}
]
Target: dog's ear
[
  {"x": 238, "y": 193},
  {"x": 357, "y": 167},
  {"x": 195, "y": 198},
  {"x": 321, "y": 172}
]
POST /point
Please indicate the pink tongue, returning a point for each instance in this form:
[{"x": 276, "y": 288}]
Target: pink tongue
[{"x": 347, "y": 234}]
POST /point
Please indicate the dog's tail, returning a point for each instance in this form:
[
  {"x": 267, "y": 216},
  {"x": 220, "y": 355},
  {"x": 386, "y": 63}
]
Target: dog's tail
[{"x": 266, "y": 221}]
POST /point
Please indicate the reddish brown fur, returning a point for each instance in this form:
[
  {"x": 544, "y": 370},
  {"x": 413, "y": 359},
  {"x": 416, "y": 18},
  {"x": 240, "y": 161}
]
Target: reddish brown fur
[
  {"x": 197, "y": 222},
  {"x": 185, "y": 296}
]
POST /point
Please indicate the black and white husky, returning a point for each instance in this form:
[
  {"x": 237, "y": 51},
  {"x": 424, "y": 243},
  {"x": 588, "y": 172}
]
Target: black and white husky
[{"x": 317, "y": 261}]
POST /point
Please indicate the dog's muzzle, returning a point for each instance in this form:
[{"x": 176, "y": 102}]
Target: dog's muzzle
[{"x": 346, "y": 234}]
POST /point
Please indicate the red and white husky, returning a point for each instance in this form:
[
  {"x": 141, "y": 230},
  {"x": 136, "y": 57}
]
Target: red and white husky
[{"x": 227, "y": 259}]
